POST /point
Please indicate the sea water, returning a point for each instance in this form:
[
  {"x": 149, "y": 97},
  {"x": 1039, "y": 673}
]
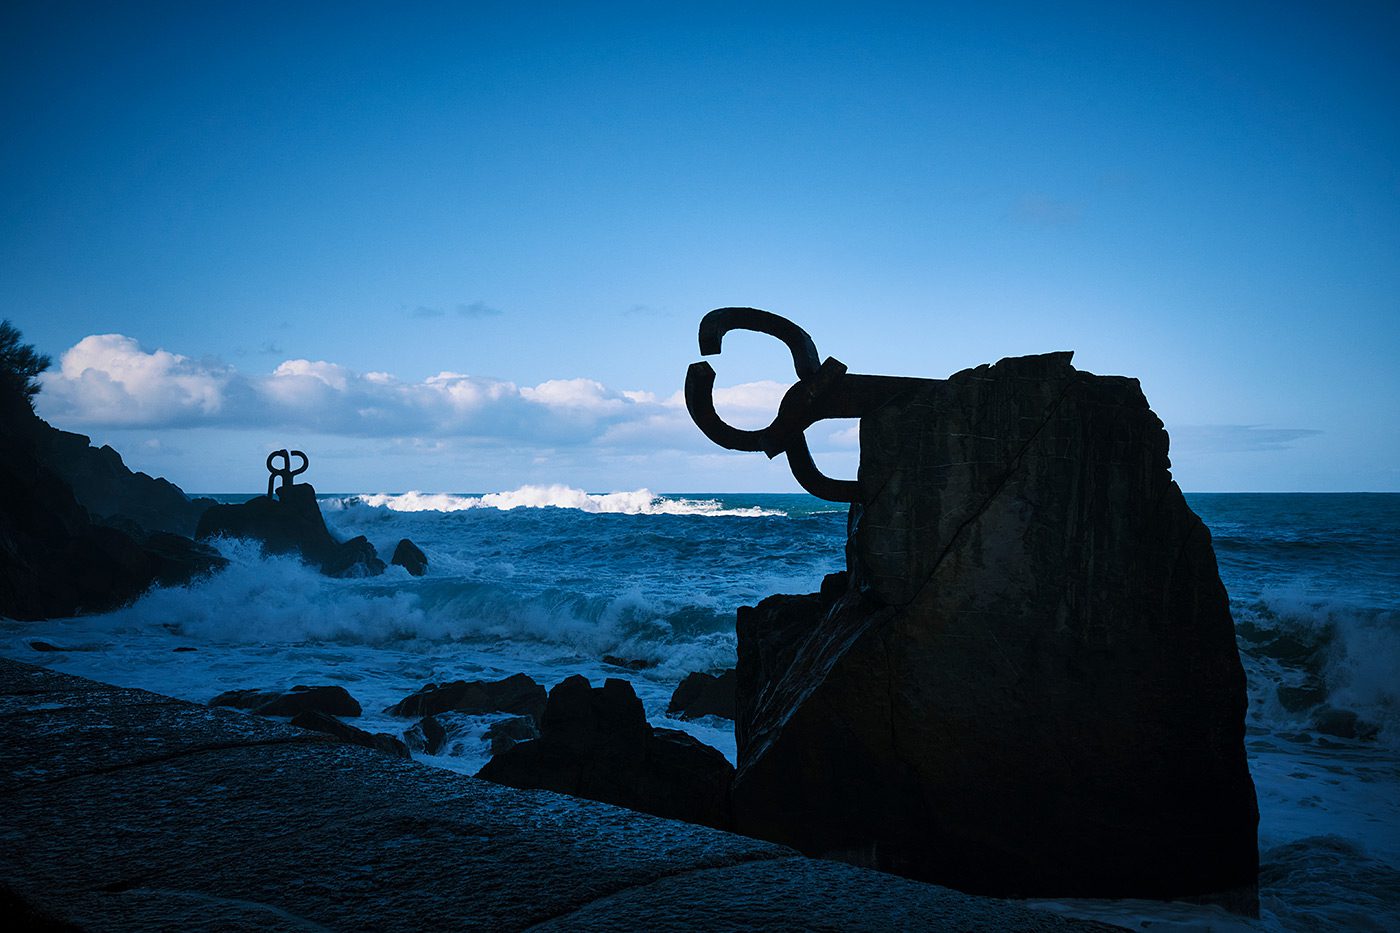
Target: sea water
[{"x": 549, "y": 581}]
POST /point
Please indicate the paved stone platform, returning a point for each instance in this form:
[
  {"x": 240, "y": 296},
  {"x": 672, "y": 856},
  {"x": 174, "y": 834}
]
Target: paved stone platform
[{"x": 126, "y": 810}]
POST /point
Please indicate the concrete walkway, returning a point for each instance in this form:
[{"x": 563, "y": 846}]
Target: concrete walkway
[{"x": 126, "y": 810}]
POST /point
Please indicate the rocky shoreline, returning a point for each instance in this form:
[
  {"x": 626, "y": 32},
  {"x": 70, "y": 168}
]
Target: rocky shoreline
[
  {"x": 129, "y": 810},
  {"x": 1025, "y": 683}
]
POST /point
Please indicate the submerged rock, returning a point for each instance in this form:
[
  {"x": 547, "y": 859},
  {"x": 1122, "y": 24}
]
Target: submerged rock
[
  {"x": 380, "y": 741},
  {"x": 630, "y": 664},
  {"x": 410, "y": 557},
  {"x": 1343, "y": 723},
  {"x": 702, "y": 694},
  {"x": 1303, "y": 697},
  {"x": 1028, "y": 682},
  {"x": 292, "y": 523},
  {"x": 517, "y": 693},
  {"x": 426, "y": 735},
  {"x": 595, "y": 742}
]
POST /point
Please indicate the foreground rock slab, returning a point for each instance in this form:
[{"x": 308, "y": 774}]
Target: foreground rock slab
[
  {"x": 1027, "y": 683},
  {"x": 126, "y": 810}
]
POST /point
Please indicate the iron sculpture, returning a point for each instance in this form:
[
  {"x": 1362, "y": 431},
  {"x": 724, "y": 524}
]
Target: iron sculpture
[
  {"x": 286, "y": 471},
  {"x": 824, "y": 389}
]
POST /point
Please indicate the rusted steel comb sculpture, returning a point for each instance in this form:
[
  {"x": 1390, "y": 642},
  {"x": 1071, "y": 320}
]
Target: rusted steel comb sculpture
[
  {"x": 824, "y": 389},
  {"x": 285, "y": 471}
]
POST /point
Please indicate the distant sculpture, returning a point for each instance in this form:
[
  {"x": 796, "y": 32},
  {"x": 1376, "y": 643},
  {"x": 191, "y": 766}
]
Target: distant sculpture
[
  {"x": 823, "y": 390},
  {"x": 291, "y": 522},
  {"x": 286, "y": 471}
]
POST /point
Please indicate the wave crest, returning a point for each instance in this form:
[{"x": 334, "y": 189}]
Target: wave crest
[{"x": 634, "y": 502}]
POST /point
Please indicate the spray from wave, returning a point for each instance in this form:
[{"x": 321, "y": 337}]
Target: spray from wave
[{"x": 634, "y": 502}]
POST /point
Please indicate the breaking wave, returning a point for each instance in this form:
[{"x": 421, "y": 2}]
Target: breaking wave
[{"x": 634, "y": 502}]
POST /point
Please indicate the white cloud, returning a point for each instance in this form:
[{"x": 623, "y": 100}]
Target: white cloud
[
  {"x": 110, "y": 381},
  {"x": 577, "y": 394}
]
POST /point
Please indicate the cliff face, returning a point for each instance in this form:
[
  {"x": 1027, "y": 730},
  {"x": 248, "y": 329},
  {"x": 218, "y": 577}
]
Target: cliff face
[
  {"x": 109, "y": 490},
  {"x": 1027, "y": 682},
  {"x": 54, "y": 560}
]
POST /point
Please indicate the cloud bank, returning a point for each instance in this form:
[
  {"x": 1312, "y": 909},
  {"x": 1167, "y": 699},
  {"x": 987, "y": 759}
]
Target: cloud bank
[{"x": 111, "y": 381}]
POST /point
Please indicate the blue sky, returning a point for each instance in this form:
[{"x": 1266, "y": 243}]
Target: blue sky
[{"x": 466, "y": 246}]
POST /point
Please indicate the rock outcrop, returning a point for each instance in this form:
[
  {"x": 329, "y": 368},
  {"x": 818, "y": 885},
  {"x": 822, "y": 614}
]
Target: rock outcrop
[
  {"x": 702, "y": 694},
  {"x": 323, "y": 722},
  {"x": 595, "y": 742},
  {"x": 1027, "y": 683},
  {"x": 517, "y": 693},
  {"x": 330, "y": 699},
  {"x": 507, "y": 733},
  {"x": 114, "y": 494},
  {"x": 54, "y": 560},
  {"x": 125, "y": 810},
  {"x": 292, "y": 523},
  {"x": 410, "y": 557}
]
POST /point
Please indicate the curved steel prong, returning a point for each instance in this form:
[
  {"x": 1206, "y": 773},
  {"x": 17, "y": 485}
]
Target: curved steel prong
[
  {"x": 700, "y": 402},
  {"x": 285, "y": 471},
  {"x": 720, "y": 321},
  {"x": 274, "y": 472},
  {"x": 804, "y": 470}
]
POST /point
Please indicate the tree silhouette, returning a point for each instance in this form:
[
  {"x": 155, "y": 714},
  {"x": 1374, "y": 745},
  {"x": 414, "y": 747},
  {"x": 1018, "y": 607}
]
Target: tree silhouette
[{"x": 19, "y": 364}]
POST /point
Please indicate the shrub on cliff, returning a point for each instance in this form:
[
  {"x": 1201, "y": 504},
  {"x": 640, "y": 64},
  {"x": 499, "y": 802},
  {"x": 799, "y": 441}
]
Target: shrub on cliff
[{"x": 19, "y": 364}]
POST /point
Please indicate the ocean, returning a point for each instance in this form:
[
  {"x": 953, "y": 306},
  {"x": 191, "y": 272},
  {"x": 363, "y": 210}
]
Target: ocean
[{"x": 550, "y": 580}]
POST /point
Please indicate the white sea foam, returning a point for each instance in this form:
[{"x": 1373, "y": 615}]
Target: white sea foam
[
  {"x": 1359, "y": 647},
  {"x": 633, "y": 502}
]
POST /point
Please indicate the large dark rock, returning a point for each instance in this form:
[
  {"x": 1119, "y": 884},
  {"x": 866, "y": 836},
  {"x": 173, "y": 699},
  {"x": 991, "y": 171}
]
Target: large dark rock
[
  {"x": 54, "y": 560},
  {"x": 247, "y": 698},
  {"x": 111, "y": 492},
  {"x": 517, "y": 693},
  {"x": 292, "y": 523},
  {"x": 1028, "y": 682},
  {"x": 410, "y": 557},
  {"x": 331, "y": 699},
  {"x": 321, "y": 722},
  {"x": 595, "y": 742},
  {"x": 702, "y": 694},
  {"x": 507, "y": 733}
]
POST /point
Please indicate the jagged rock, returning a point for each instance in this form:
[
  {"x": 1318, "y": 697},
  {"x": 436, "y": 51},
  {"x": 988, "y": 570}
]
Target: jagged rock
[
  {"x": 517, "y": 693},
  {"x": 507, "y": 733},
  {"x": 320, "y": 722},
  {"x": 112, "y": 493},
  {"x": 292, "y": 523},
  {"x": 331, "y": 699},
  {"x": 54, "y": 561},
  {"x": 410, "y": 557},
  {"x": 427, "y": 735},
  {"x": 1028, "y": 684},
  {"x": 702, "y": 694},
  {"x": 596, "y": 743}
]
